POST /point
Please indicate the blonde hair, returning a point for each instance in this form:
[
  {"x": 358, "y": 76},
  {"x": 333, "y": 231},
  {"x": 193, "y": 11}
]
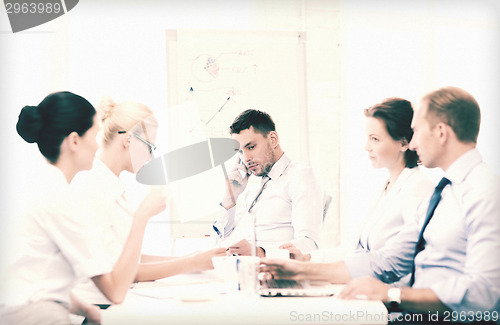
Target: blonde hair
[{"x": 123, "y": 116}]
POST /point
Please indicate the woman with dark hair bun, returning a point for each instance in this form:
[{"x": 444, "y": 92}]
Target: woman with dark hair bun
[
  {"x": 388, "y": 132},
  {"x": 57, "y": 245},
  {"x": 51, "y": 248},
  {"x": 61, "y": 116}
]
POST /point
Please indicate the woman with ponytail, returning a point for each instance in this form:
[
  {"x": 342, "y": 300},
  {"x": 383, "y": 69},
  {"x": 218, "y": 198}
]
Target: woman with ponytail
[{"x": 128, "y": 141}]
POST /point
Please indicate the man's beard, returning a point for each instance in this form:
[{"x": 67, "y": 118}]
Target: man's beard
[{"x": 268, "y": 165}]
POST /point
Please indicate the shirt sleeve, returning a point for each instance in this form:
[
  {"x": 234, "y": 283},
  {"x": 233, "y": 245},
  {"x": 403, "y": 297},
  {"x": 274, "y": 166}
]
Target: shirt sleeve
[
  {"x": 478, "y": 287},
  {"x": 73, "y": 230},
  {"x": 224, "y": 223},
  {"x": 308, "y": 201}
]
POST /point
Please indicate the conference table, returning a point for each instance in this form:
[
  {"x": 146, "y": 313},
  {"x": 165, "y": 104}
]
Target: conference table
[{"x": 205, "y": 298}]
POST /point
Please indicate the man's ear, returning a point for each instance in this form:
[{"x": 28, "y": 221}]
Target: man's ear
[
  {"x": 442, "y": 132},
  {"x": 275, "y": 140}
]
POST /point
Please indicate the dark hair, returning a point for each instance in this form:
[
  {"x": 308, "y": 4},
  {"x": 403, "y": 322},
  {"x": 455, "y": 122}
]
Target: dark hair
[
  {"x": 457, "y": 108},
  {"x": 260, "y": 121},
  {"x": 53, "y": 120},
  {"x": 396, "y": 113}
]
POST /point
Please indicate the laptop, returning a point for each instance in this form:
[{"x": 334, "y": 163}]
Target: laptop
[{"x": 292, "y": 288}]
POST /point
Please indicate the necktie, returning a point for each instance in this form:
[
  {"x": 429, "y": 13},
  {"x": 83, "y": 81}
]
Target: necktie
[
  {"x": 436, "y": 197},
  {"x": 264, "y": 182}
]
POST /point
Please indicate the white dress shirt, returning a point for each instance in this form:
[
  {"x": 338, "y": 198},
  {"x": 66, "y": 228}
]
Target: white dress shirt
[
  {"x": 103, "y": 195},
  {"x": 289, "y": 209},
  {"x": 389, "y": 212},
  {"x": 460, "y": 261},
  {"x": 55, "y": 247}
]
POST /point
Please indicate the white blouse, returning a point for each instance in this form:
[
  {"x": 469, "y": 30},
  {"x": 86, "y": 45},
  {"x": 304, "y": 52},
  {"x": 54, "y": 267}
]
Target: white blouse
[
  {"x": 389, "y": 212},
  {"x": 54, "y": 246},
  {"x": 103, "y": 195}
]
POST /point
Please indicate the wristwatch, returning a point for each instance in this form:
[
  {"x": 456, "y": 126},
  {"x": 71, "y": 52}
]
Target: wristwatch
[{"x": 394, "y": 295}]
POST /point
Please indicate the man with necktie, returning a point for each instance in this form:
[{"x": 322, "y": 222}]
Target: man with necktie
[
  {"x": 452, "y": 251},
  {"x": 286, "y": 205}
]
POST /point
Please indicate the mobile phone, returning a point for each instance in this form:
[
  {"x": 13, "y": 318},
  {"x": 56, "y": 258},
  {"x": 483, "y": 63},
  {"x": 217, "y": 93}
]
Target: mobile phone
[
  {"x": 248, "y": 172},
  {"x": 242, "y": 173}
]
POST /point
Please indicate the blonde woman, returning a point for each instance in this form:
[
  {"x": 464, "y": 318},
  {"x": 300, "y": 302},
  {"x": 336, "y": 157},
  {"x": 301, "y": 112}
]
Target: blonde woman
[{"x": 128, "y": 140}]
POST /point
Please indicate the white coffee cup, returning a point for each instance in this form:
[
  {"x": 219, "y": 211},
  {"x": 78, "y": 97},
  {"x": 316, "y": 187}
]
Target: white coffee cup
[
  {"x": 247, "y": 270},
  {"x": 225, "y": 267}
]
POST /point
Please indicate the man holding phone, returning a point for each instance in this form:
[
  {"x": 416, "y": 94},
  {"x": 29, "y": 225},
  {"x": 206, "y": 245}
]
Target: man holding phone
[{"x": 288, "y": 203}]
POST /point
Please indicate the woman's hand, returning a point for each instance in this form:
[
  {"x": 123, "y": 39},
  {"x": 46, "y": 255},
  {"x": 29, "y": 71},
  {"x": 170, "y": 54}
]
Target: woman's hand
[
  {"x": 154, "y": 203},
  {"x": 204, "y": 259}
]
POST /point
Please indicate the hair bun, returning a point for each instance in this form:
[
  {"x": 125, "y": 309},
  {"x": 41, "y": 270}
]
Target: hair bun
[
  {"x": 106, "y": 107},
  {"x": 30, "y": 123}
]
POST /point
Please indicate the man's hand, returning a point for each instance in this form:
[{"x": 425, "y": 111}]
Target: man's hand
[
  {"x": 422, "y": 300},
  {"x": 244, "y": 248},
  {"x": 365, "y": 288},
  {"x": 298, "y": 270},
  {"x": 236, "y": 182},
  {"x": 283, "y": 269},
  {"x": 296, "y": 253}
]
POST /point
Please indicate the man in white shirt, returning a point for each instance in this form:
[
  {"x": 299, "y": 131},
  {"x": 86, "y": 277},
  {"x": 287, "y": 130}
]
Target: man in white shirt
[
  {"x": 287, "y": 204},
  {"x": 452, "y": 255}
]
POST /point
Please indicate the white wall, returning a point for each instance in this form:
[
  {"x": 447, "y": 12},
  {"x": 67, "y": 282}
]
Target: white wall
[
  {"x": 405, "y": 49},
  {"x": 359, "y": 52}
]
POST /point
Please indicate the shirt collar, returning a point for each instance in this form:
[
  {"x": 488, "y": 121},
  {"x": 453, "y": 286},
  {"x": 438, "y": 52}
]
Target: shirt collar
[
  {"x": 401, "y": 180},
  {"x": 279, "y": 167},
  {"x": 113, "y": 185},
  {"x": 461, "y": 167},
  {"x": 55, "y": 175}
]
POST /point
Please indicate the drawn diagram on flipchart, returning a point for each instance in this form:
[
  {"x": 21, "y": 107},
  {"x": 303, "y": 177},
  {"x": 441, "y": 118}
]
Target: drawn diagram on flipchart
[
  {"x": 212, "y": 76},
  {"x": 219, "y": 84},
  {"x": 226, "y": 72},
  {"x": 211, "y": 73}
]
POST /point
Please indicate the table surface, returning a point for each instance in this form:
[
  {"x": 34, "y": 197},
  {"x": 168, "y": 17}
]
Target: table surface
[{"x": 203, "y": 298}]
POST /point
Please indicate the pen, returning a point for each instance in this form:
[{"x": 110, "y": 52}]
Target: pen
[
  {"x": 218, "y": 234},
  {"x": 217, "y": 231}
]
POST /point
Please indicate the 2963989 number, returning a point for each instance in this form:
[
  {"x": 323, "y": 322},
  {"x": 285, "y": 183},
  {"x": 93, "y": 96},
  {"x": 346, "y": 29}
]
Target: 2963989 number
[
  {"x": 464, "y": 316},
  {"x": 33, "y": 8}
]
